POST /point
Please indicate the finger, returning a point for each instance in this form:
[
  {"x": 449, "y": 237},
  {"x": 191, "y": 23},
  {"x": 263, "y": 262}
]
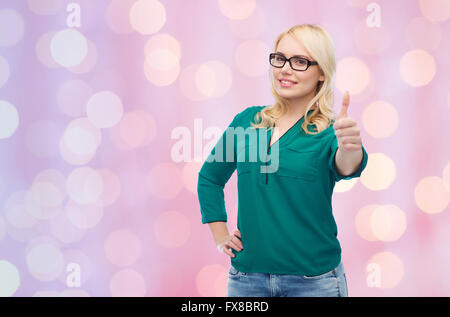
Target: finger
[
  {"x": 347, "y": 132},
  {"x": 351, "y": 147},
  {"x": 229, "y": 251},
  {"x": 234, "y": 245},
  {"x": 345, "y": 104},
  {"x": 237, "y": 233},
  {"x": 343, "y": 123},
  {"x": 351, "y": 140},
  {"x": 238, "y": 242}
]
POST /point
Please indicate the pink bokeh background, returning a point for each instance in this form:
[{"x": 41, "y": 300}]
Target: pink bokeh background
[{"x": 108, "y": 107}]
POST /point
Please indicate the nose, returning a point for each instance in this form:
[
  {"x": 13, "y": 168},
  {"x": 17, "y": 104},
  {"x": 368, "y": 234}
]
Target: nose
[{"x": 286, "y": 67}]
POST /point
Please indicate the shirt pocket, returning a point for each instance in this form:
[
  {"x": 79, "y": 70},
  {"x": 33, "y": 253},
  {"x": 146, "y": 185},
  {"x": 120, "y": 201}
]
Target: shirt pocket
[{"x": 298, "y": 163}]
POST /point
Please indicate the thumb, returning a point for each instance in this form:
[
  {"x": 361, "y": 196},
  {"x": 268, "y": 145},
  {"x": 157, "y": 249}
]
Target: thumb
[{"x": 345, "y": 104}]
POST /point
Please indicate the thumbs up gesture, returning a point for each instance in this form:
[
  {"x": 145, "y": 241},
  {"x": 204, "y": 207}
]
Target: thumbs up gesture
[{"x": 346, "y": 129}]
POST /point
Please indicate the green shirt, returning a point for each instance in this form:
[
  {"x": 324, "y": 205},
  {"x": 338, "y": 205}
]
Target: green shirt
[{"x": 285, "y": 217}]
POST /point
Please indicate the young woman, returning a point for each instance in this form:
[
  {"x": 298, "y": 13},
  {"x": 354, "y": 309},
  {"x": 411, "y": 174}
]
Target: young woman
[{"x": 286, "y": 243}]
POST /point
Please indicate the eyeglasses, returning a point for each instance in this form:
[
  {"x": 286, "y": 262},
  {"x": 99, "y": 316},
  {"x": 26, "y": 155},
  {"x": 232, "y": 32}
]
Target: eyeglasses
[{"x": 297, "y": 63}]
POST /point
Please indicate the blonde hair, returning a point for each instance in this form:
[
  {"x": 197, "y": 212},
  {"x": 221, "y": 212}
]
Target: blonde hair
[{"x": 320, "y": 46}]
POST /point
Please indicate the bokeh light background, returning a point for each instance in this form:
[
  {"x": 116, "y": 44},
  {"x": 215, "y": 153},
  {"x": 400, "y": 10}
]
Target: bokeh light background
[{"x": 94, "y": 96}]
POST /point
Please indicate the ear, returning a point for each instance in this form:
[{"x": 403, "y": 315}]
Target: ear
[{"x": 322, "y": 78}]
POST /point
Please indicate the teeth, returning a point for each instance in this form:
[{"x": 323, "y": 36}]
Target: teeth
[{"x": 287, "y": 82}]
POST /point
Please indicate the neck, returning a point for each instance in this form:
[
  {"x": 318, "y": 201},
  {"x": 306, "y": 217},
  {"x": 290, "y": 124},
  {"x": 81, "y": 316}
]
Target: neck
[{"x": 296, "y": 108}]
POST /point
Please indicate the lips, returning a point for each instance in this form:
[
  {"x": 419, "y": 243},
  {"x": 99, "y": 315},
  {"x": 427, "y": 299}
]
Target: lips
[{"x": 288, "y": 80}]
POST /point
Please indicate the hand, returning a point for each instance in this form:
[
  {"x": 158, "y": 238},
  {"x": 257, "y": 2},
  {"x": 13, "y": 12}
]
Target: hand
[
  {"x": 231, "y": 241},
  {"x": 346, "y": 129}
]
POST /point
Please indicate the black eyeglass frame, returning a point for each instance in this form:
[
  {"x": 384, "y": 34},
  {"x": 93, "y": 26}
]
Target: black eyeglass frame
[{"x": 309, "y": 63}]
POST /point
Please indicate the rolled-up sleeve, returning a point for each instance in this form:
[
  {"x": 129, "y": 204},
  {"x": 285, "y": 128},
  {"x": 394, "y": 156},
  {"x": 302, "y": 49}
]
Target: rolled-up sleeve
[
  {"x": 332, "y": 161},
  {"x": 214, "y": 174}
]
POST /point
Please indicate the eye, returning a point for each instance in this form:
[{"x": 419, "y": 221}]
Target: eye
[{"x": 301, "y": 61}]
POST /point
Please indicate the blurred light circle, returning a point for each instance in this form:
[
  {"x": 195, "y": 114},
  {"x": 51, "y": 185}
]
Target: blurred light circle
[
  {"x": 345, "y": 185},
  {"x": 84, "y": 185},
  {"x": 237, "y": 9},
  {"x": 165, "y": 42},
  {"x": 352, "y": 74},
  {"x": 161, "y": 59},
  {"x": 80, "y": 141},
  {"x": 73, "y": 158},
  {"x": 54, "y": 177},
  {"x": 162, "y": 77},
  {"x": 147, "y": 16},
  {"x": 127, "y": 283},
  {"x": 188, "y": 85},
  {"x": 117, "y": 16},
  {"x": 380, "y": 119},
  {"x": 251, "y": 27},
  {"x": 209, "y": 277},
  {"x": 363, "y": 224},
  {"x": 68, "y": 47},
  {"x": 104, "y": 109},
  {"x": 4, "y": 71},
  {"x": 16, "y": 213},
  {"x": 417, "y": 68},
  {"x": 44, "y": 200},
  {"x": 64, "y": 230},
  {"x": 431, "y": 195},
  {"x": 172, "y": 229},
  {"x": 12, "y": 27},
  {"x": 88, "y": 62},
  {"x": 22, "y": 234},
  {"x": 435, "y": 10},
  {"x": 136, "y": 129},
  {"x": 9, "y": 119},
  {"x": 9, "y": 277},
  {"x": 190, "y": 175},
  {"x": 84, "y": 216},
  {"x": 44, "y": 260},
  {"x": 213, "y": 79},
  {"x": 390, "y": 268},
  {"x": 388, "y": 222},
  {"x": 379, "y": 173},
  {"x": 42, "y": 50}
]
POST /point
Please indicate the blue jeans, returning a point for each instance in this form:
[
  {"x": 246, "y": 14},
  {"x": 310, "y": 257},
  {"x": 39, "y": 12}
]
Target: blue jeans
[{"x": 329, "y": 284}]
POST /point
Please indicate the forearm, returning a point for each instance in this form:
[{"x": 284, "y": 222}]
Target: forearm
[
  {"x": 347, "y": 162},
  {"x": 219, "y": 230}
]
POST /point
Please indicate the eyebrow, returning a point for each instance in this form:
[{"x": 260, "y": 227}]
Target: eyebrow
[{"x": 294, "y": 55}]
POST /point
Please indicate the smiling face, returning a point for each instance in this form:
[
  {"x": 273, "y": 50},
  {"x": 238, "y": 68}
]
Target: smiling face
[{"x": 305, "y": 81}]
